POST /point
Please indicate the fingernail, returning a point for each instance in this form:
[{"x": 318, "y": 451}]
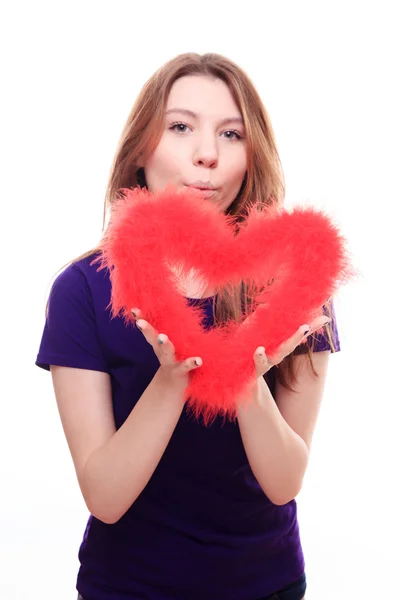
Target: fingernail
[
  {"x": 196, "y": 362},
  {"x": 134, "y": 314},
  {"x": 160, "y": 341},
  {"x": 306, "y": 330},
  {"x": 138, "y": 326},
  {"x": 261, "y": 352}
]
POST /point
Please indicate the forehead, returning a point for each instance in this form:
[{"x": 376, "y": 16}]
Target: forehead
[{"x": 204, "y": 95}]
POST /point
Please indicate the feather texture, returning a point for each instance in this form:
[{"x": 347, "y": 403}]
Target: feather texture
[{"x": 300, "y": 251}]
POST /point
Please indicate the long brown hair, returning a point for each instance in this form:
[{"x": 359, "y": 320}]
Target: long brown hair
[{"x": 264, "y": 181}]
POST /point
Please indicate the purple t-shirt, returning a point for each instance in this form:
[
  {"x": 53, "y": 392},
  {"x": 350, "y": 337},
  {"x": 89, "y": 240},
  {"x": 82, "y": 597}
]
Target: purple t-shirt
[{"x": 202, "y": 528}]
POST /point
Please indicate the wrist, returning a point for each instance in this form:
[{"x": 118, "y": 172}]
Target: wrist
[{"x": 170, "y": 387}]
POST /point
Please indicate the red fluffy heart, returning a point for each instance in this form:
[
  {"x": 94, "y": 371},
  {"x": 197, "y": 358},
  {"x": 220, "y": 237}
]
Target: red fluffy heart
[{"x": 301, "y": 251}]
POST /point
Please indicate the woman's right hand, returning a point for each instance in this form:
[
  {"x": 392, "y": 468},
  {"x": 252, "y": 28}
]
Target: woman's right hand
[{"x": 172, "y": 372}]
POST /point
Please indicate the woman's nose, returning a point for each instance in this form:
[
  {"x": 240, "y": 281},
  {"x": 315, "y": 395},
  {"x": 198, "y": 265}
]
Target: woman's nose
[{"x": 206, "y": 155}]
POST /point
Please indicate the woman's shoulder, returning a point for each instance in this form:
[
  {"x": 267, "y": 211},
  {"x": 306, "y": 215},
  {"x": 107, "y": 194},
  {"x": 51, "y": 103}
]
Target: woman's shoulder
[
  {"x": 88, "y": 263},
  {"x": 82, "y": 283},
  {"x": 70, "y": 336},
  {"x": 86, "y": 268}
]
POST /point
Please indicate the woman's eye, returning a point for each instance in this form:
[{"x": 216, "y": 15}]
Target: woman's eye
[
  {"x": 233, "y": 135},
  {"x": 182, "y": 128},
  {"x": 179, "y": 127}
]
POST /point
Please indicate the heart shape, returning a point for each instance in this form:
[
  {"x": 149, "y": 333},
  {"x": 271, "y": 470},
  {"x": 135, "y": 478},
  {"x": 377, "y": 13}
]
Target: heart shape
[{"x": 301, "y": 252}]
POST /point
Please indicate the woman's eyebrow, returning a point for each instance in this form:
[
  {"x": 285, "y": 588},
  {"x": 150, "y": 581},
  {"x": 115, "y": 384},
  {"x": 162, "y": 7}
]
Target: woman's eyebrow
[{"x": 192, "y": 114}]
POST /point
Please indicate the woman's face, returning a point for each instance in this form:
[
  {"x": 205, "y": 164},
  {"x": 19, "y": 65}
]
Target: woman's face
[{"x": 203, "y": 142}]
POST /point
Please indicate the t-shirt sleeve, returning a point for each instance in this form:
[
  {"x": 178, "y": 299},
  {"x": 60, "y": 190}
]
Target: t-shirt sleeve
[
  {"x": 70, "y": 336},
  {"x": 321, "y": 340}
]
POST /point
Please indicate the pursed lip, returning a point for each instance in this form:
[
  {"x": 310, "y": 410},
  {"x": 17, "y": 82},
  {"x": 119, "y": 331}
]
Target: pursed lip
[{"x": 202, "y": 185}]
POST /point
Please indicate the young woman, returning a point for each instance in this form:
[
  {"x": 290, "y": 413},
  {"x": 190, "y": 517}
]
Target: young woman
[{"x": 180, "y": 511}]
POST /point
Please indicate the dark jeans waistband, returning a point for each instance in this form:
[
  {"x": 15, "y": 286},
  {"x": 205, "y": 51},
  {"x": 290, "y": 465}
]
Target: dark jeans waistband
[{"x": 294, "y": 591}]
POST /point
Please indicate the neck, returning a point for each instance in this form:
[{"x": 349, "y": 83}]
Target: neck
[{"x": 191, "y": 284}]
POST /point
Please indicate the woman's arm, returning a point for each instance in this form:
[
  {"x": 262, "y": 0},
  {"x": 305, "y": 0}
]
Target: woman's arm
[
  {"x": 113, "y": 467},
  {"x": 118, "y": 472},
  {"x": 277, "y": 435}
]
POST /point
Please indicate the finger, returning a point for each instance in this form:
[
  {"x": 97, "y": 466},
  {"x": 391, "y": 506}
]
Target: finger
[
  {"x": 300, "y": 336},
  {"x": 315, "y": 325},
  {"x": 262, "y": 362},
  {"x": 319, "y": 322},
  {"x": 137, "y": 313},
  {"x": 166, "y": 350},
  {"x": 148, "y": 332},
  {"x": 259, "y": 355},
  {"x": 291, "y": 343},
  {"x": 189, "y": 364}
]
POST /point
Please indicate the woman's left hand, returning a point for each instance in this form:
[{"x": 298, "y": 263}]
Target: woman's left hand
[{"x": 264, "y": 363}]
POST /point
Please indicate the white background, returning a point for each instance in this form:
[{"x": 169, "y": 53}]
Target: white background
[{"x": 328, "y": 75}]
